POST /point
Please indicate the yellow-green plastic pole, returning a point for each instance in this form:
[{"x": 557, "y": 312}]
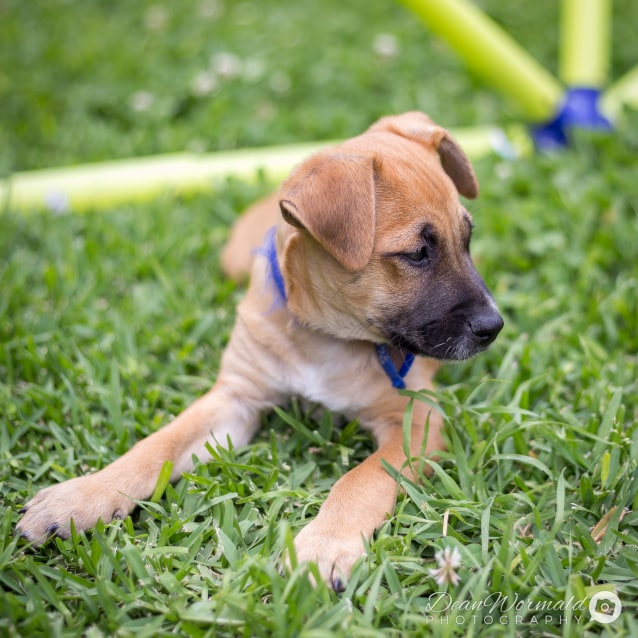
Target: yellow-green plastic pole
[
  {"x": 104, "y": 184},
  {"x": 584, "y": 52},
  {"x": 100, "y": 185},
  {"x": 492, "y": 53},
  {"x": 623, "y": 92}
]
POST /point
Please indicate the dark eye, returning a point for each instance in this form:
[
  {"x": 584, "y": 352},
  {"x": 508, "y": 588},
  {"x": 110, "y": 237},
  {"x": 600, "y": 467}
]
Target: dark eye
[
  {"x": 419, "y": 257},
  {"x": 427, "y": 252}
]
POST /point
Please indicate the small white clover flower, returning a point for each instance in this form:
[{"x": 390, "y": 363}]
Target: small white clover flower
[
  {"x": 142, "y": 101},
  {"x": 280, "y": 82},
  {"x": 204, "y": 83},
  {"x": 386, "y": 45},
  {"x": 226, "y": 65},
  {"x": 448, "y": 562},
  {"x": 156, "y": 18},
  {"x": 57, "y": 202},
  {"x": 211, "y": 9}
]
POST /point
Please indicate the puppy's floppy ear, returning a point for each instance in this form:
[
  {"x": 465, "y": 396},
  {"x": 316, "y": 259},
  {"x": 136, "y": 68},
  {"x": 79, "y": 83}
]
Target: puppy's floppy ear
[
  {"x": 332, "y": 197},
  {"x": 420, "y": 128}
]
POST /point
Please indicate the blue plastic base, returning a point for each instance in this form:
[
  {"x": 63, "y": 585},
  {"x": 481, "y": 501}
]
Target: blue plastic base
[{"x": 579, "y": 110}]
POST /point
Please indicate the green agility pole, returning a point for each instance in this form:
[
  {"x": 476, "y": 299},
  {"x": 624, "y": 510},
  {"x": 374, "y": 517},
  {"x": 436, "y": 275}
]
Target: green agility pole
[
  {"x": 100, "y": 185},
  {"x": 584, "y": 52},
  {"x": 104, "y": 184},
  {"x": 493, "y": 54},
  {"x": 584, "y": 55},
  {"x": 622, "y": 93}
]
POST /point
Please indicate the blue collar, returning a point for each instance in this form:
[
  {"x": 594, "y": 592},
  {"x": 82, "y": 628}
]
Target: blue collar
[
  {"x": 269, "y": 250},
  {"x": 396, "y": 376}
]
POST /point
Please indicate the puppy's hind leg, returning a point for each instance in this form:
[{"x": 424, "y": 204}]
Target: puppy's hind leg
[{"x": 228, "y": 411}]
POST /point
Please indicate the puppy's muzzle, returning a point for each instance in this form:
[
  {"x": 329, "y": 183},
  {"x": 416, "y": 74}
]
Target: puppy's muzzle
[
  {"x": 462, "y": 334},
  {"x": 466, "y": 325},
  {"x": 459, "y": 329}
]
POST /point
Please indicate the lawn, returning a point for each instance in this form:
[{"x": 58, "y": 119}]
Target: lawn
[{"x": 113, "y": 321}]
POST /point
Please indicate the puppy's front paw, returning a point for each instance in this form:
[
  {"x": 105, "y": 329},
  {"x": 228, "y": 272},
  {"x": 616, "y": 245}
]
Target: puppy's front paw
[
  {"x": 333, "y": 550},
  {"x": 84, "y": 499}
]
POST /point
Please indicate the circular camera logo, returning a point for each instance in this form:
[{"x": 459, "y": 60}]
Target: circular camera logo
[{"x": 605, "y": 607}]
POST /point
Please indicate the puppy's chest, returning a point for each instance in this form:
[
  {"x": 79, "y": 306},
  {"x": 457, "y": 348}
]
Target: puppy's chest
[{"x": 342, "y": 377}]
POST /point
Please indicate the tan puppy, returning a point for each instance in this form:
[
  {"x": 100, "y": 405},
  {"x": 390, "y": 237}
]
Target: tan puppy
[{"x": 369, "y": 264}]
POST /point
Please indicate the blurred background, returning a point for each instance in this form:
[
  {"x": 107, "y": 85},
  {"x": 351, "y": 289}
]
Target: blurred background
[{"x": 82, "y": 81}]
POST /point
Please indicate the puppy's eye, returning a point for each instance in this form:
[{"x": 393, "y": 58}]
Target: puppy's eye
[{"x": 420, "y": 257}]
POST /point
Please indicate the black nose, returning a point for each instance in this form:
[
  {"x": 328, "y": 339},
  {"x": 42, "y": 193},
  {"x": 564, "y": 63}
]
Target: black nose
[{"x": 486, "y": 326}]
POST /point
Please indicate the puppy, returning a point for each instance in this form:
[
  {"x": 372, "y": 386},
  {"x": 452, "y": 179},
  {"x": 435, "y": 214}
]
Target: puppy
[{"x": 367, "y": 265}]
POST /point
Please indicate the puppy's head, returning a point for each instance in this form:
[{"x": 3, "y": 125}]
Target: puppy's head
[{"x": 377, "y": 246}]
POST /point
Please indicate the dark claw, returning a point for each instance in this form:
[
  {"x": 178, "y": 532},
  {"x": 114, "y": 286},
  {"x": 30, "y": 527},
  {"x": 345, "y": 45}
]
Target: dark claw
[
  {"x": 23, "y": 509},
  {"x": 25, "y": 535},
  {"x": 117, "y": 515},
  {"x": 53, "y": 528},
  {"x": 337, "y": 584}
]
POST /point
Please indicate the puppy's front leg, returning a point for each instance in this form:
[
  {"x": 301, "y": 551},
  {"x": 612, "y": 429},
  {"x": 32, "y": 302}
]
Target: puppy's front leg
[
  {"x": 112, "y": 492},
  {"x": 360, "y": 500}
]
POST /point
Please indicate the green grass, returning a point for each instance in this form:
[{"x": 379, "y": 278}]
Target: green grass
[{"x": 111, "y": 323}]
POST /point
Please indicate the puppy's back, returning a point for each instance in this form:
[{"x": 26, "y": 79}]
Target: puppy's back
[{"x": 246, "y": 235}]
